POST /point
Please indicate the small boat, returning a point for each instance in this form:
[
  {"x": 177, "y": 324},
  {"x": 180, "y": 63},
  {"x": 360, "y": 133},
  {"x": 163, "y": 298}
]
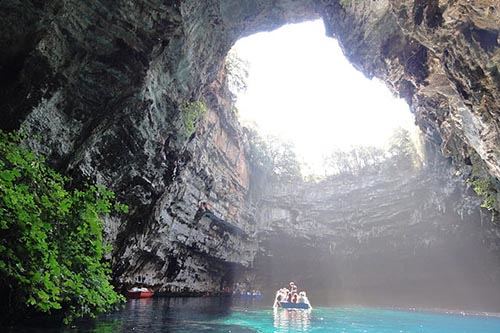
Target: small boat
[
  {"x": 290, "y": 305},
  {"x": 286, "y": 299},
  {"x": 140, "y": 293}
]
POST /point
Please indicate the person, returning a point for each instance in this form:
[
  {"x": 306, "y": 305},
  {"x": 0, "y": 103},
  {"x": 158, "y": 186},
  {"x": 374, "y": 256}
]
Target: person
[
  {"x": 256, "y": 293},
  {"x": 278, "y": 298},
  {"x": 294, "y": 298},
  {"x": 205, "y": 206},
  {"x": 303, "y": 299},
  {"x": 293, "y": 287},
  {"x": 202, "y": 209},
  {"x": 293, "y": 290}
]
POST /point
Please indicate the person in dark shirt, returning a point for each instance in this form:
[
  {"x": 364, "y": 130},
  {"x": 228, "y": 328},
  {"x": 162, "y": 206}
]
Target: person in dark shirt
[{"x": 202, "y": 209}]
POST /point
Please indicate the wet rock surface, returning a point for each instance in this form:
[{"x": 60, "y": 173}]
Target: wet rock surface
[{"x": 99, "y": 87}]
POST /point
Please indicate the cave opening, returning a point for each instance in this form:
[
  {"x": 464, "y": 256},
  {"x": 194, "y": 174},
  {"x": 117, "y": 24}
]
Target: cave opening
[{"x": 299, "y": 88}]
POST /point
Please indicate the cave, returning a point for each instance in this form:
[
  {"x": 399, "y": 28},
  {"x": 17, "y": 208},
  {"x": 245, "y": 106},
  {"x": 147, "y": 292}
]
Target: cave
[{"x": 101, "y": 88}]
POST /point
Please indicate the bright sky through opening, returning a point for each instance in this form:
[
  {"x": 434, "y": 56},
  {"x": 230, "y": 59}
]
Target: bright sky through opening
[{"x": 302, "y": 89}]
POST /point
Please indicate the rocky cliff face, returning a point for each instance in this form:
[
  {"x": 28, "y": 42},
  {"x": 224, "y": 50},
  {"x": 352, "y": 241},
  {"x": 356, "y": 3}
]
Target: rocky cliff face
[
  {"x": 178, "y": 248},
  {"x": 441, "y": 56},
  {"x": 100, "y": 85}
]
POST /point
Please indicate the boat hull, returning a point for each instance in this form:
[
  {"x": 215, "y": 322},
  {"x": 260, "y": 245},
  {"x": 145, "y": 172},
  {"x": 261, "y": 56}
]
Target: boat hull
[{"x": 288, "y": 305}]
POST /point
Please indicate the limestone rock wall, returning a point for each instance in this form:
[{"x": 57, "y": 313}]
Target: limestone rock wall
[
  {"x": 98, "y": 85},
  {"x": 180, "y": 249}
]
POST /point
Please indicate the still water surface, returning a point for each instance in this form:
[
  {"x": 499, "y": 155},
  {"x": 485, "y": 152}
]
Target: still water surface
[{"x": 225, "y": 315}]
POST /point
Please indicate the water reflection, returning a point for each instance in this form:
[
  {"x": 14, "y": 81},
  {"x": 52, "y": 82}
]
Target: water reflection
[
  {"x": 187, "y": 314},
  {"x": 286, "y": 320},
  {"x": 217, "y": 315}
]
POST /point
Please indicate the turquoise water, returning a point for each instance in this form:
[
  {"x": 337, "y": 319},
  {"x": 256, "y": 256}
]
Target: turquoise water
[
  {"x": 362, "y": 320},
  {"x": 213, "y": 314}
]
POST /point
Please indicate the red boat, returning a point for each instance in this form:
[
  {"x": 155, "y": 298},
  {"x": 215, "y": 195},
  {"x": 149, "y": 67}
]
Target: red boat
[{"x": 140, "y": 293}]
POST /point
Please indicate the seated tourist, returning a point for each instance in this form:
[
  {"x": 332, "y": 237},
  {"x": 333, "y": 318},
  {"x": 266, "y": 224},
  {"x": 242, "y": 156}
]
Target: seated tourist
[
  {"x": 303, "y": 298},
  {"x": 278, "y": 298}
]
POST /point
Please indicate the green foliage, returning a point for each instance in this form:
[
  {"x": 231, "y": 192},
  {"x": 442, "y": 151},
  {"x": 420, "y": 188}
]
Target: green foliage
[
  {"x": 273, "y": 158},
  {"x": 237, "y": 72},
  {"x": 483, "y": 184},
  {"x": 191, "y": 113},
  {"x": 354, "y": 160},
  {"x": 484, "y": 189},
  {"x": 346, "y": 3},
  {"x": 51, "y": 242},
  {"x": 402, "y": 149},
  {"x": 401, "y": 154}
]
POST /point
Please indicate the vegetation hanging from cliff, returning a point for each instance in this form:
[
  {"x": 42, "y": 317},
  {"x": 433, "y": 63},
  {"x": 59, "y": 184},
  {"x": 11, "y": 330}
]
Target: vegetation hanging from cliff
[
  {"x": 51, "y": 242},
  {"x": 191, "y": 112},
  {"x": 272, "y": 158},
  {"x": 346, "y": 3},
  {"x": 483, "y": 187},
  {"x": 483, "y": 184},
  {"x": 237, "y": 72}
]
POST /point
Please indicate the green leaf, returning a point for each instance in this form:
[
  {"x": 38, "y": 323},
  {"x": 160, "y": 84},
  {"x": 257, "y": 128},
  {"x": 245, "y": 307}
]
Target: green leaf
[{"x": 51, "y": 249}]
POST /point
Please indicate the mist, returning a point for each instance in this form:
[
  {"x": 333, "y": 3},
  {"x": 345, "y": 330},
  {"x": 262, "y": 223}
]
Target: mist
[{"x": 389, "y": 236}]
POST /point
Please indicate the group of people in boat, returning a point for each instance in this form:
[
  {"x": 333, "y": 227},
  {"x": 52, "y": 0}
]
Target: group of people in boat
[{"x": 290, "y": 295}]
